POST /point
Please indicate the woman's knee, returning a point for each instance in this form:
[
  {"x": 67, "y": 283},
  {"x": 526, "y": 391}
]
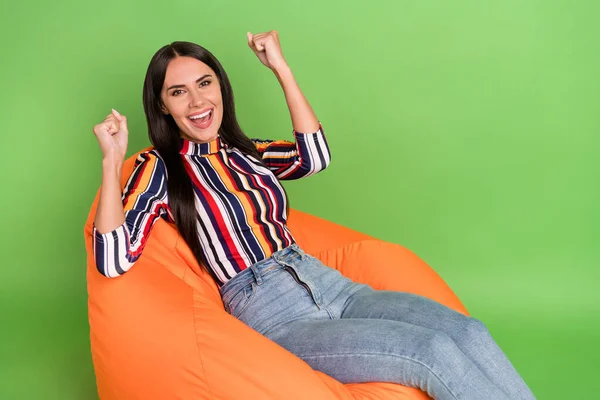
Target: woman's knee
[
  {"x": 437, "y": 348},
  {"x": 471, "y": 331},
  {"x": 474, "y": 331}
]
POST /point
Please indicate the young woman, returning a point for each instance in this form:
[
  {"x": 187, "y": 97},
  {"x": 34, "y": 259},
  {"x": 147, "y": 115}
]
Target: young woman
[{"x": 222, "y": 191}]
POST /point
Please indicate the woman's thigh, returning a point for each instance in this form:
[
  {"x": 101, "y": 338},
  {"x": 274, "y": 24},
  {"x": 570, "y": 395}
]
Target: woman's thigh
[
  {"x": 377, "y": 350},
  {"x": 402, "y": 306},
  {"x": 470, "y": 335}
]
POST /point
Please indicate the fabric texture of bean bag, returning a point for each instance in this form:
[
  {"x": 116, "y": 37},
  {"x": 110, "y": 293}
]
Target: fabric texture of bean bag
[{"x": 160, "y": 330}]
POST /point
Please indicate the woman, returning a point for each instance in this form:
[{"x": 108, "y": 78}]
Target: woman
[{"x": 222, "y": 191}]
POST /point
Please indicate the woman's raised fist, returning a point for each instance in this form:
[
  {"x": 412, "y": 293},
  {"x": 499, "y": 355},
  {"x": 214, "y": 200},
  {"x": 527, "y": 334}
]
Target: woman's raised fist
[{"x": 112, "y": 135}]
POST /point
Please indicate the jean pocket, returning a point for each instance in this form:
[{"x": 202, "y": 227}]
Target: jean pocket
[{"x": 240, "y": 301}]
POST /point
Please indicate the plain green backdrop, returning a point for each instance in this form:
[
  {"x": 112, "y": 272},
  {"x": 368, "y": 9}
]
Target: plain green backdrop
[{"x": 465, "y": 130}]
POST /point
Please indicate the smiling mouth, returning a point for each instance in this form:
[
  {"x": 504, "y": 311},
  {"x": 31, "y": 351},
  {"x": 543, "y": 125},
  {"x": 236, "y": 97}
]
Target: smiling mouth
[{"x": 202, "y": 121}]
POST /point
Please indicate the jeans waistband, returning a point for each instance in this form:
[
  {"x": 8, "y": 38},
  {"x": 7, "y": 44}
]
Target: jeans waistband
[{"x": 254, "y": 272}]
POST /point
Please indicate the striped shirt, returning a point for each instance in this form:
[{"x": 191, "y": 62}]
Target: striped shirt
[{"x": 241, "y": 204}]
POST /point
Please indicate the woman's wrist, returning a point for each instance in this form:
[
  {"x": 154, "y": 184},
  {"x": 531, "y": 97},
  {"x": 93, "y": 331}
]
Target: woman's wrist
[
  {"x": 284, "y": 74},
  {"x": 112, "y": 164}
]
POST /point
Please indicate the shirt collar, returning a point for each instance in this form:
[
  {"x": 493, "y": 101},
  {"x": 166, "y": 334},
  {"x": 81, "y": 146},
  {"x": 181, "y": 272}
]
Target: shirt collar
[{"x": 201, "y": 149}]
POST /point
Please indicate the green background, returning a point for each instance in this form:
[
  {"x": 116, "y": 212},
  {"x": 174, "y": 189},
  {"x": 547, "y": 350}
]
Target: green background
[{"x": 465, "y": 130}]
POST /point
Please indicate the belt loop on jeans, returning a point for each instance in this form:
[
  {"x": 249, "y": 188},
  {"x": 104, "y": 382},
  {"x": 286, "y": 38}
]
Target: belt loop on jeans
[
  {"x": 298, "y": 250},
  {"x": 256, "y": 273}
]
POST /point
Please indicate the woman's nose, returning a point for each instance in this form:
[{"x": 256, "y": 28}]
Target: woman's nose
[{"x": 196, "y": 99}]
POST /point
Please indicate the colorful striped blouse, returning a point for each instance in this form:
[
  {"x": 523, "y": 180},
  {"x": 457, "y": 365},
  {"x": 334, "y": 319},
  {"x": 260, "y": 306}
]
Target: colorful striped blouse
[{"x": 241, "y": 204}]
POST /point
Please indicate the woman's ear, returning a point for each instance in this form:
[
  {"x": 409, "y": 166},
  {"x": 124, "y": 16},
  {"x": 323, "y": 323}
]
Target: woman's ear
[{"x": 164, "y": 109}]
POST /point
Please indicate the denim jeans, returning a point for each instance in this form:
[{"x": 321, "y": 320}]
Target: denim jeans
[{"x": 355, "y": 334}]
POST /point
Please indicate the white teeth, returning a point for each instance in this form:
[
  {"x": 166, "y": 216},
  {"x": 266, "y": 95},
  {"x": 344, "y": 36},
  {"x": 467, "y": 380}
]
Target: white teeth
[{"x": 201, "y": 115}]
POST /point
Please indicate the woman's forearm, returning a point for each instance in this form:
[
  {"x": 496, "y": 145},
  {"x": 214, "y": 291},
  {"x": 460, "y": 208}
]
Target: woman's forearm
[
  {"x": 110, "y": 214},
  {"x": 304, "y": 119}
]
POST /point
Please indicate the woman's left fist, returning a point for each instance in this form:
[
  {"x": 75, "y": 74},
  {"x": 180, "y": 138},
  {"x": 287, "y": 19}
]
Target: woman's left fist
[{"x": 267, "y": 48}]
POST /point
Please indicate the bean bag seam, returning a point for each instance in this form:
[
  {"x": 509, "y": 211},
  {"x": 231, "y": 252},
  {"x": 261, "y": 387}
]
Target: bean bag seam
[{"x": 198, "y": 350}]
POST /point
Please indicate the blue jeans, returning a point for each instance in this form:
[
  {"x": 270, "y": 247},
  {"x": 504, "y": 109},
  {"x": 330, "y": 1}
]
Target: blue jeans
[{"x": 354, "y": 333}]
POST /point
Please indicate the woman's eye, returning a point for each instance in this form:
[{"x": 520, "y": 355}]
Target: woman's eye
[{"x": 176, "y": 92}]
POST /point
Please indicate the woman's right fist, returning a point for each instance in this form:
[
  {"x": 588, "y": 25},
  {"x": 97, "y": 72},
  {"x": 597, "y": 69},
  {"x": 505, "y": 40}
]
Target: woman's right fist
[{"x": 112, "y": 135}]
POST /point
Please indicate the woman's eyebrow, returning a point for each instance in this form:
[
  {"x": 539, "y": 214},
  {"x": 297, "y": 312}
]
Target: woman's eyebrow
[{"x": 180, "y": 86}]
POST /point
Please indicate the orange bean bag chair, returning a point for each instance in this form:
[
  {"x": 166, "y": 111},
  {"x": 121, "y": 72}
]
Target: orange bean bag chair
[{"x": 160, "y": 331}]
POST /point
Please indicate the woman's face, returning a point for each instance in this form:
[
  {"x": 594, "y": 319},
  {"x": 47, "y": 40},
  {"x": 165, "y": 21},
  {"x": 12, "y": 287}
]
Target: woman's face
[{"x": 191, "y": 88}]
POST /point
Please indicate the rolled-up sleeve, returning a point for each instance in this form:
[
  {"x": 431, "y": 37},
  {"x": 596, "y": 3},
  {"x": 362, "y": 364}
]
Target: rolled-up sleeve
[
  {"x": 288, "y": 160},
  {"x": 144, "y": 201}
]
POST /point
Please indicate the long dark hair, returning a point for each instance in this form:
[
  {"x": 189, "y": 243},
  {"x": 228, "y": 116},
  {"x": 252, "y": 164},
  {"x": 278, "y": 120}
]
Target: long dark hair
[{"x": 164, "y": 136}]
